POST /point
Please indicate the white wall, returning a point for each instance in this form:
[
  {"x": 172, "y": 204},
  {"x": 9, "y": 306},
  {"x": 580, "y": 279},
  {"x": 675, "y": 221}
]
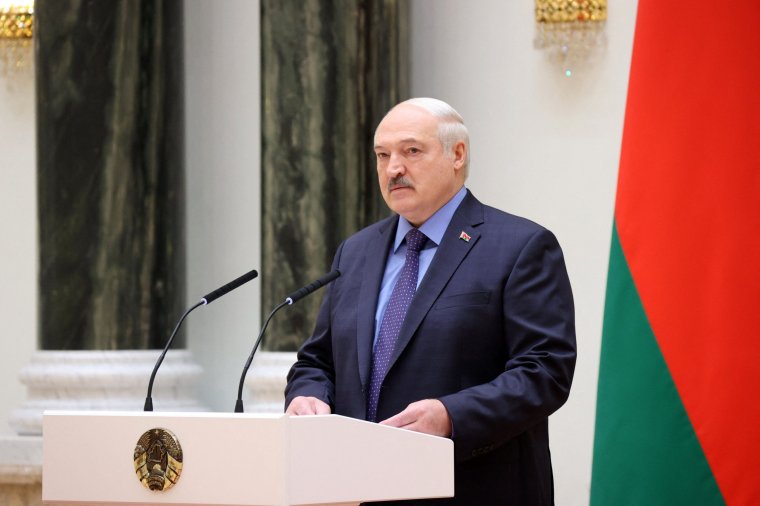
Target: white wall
[
  {"x": 223, "y": 187},
  {"x": 18, "y": 234},
  {"x": 546, "y": 147}
]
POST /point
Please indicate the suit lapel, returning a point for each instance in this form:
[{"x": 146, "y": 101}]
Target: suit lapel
[
  {"x": 447, "y": 259},
  {"x": 375, "y": 258}
]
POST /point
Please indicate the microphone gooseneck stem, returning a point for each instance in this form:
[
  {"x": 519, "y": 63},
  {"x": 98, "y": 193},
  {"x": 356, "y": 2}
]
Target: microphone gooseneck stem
[
  {"x": 239, "y": 401},
  {"x": 148, "y": 399}
]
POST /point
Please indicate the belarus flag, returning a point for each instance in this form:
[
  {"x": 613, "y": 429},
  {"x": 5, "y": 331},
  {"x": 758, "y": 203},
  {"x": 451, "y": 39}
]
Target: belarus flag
[{"x": 678, "y": 412}]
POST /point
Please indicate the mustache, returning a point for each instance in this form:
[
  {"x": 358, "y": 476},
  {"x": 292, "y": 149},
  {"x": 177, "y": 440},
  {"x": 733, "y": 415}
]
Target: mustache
[{"x": 399, "y": 181}]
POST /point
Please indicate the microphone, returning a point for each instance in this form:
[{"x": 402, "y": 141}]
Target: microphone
[
  {"x": 316, "y": 285},
  {"x": 224, "y": 290},
  {"x": 208, "y": 299},
  {"x": 289, "y": 301}
]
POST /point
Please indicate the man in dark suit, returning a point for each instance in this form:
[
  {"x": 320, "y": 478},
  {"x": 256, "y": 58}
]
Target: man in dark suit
[{"x": 452, "y": 318}]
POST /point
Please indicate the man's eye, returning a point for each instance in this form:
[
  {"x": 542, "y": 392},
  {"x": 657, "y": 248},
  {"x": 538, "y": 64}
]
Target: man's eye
[
  {"x": 382, "y": 155},
  {"x": 414, "y": 151}
]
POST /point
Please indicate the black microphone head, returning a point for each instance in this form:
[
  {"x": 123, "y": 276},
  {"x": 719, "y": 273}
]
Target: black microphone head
[
  {"x": 245, "y": 278},
  {"x": 316, "y": 285}
]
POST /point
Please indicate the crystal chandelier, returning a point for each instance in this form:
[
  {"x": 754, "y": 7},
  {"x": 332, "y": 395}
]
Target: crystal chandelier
[{"x": 570, "y": 30}]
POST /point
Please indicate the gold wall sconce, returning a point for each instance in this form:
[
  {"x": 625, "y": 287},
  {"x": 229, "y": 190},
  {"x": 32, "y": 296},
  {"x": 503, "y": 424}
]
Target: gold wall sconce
[
  {"x": 16, "y": 20},
  {"x": 16, "y": 32},
  {"x": 570, "y": 30}
]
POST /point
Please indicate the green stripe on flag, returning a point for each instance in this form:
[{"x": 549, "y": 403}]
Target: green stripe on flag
[{"x": 645, "y": 448}]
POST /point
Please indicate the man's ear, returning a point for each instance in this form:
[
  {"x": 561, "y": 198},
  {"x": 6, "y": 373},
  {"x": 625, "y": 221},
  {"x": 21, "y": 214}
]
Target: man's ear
[{"x": 460, "y": 155}]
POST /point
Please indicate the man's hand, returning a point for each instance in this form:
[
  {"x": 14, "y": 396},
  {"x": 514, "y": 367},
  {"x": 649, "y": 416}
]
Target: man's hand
[
  {"x": 428, "y": 416},
  {"x": 307, "y": 406}
]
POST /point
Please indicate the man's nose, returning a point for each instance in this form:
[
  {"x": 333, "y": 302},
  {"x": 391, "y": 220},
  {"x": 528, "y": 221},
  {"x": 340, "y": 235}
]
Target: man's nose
[{"x": 396, "y": 165}]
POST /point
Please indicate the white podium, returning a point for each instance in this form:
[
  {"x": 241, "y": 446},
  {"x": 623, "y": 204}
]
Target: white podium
[{"x": 243, "y": 459}]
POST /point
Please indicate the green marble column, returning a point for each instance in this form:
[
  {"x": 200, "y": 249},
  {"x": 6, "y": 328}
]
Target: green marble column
[
  {"x": 330, "y": 70},
  {"x": 110, "y": 172}
]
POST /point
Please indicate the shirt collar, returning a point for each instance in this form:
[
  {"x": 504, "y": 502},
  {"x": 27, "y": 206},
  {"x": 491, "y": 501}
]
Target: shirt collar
[{"x": 436, "y": 225}]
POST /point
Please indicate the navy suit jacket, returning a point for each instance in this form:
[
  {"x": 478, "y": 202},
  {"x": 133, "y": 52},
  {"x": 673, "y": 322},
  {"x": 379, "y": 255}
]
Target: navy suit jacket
[{"x": 490, "y": 332}]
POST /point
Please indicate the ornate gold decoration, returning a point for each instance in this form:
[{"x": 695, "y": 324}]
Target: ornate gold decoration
[
  {"x": 566, "y": 11},
  {"x": 158, "y": 459},
  {"x": 570, "y": 30},
  {"x": 16, "y": 20},
  {"x": 16, "y": 30}
]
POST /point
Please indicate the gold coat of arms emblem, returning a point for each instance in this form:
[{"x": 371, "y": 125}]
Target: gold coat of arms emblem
[{"x": 158, "y": 459}]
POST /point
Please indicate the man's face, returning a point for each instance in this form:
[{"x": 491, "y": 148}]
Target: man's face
[{"x": 416, "y": 177}]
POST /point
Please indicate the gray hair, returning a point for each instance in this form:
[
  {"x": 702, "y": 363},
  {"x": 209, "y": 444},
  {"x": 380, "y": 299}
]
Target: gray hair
[{"x": 451, "y": 127}]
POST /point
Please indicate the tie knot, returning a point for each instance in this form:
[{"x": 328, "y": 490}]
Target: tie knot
[{"x": 415, "y": 240}]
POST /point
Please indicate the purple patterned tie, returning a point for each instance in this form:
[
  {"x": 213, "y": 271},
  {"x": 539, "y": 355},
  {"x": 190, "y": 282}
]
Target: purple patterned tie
[{"x": 393, "y": 317}]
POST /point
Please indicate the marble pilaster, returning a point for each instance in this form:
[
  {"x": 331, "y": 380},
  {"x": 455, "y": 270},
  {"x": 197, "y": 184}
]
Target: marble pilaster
[
  {"x": 330, "y": 71},
  {"x": 110, "y": 172}
]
